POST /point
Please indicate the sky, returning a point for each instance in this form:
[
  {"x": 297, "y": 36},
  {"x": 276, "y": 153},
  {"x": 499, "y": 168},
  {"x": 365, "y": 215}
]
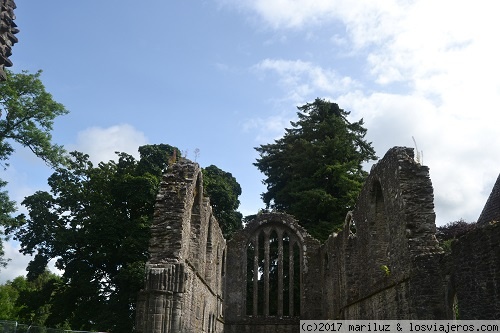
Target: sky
[{"x": 225, "y": 76}]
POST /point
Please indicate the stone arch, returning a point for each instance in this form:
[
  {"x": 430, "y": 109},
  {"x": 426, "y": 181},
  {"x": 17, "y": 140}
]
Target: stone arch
[
  {"x": 223, "y": 266},
  {"x": 200, "y": 226},
  {"x": 197, "y": 196},
  {"x": 379, "y": 228},
  {"x": 273, "y": 279},
  {"x": 350, "y": 225},
  {"x": 254, "y": 267}
]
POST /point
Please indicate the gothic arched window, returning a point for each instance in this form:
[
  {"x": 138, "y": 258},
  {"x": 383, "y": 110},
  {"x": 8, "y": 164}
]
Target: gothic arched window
[{"x": 273, "y": 279}]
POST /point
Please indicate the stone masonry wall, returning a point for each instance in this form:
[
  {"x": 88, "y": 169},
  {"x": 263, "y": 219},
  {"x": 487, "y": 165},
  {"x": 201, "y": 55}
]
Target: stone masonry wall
[
  {"x": 185, "y": 274},
  {"x": 236, "y": 316},
  {"x": 385, "y": 263},
  {"x": 8, "y": 29},
  {"x": 475, "y": 272}
]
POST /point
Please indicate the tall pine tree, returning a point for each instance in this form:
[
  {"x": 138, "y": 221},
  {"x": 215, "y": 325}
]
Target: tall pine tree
[{"x": 314, "y": 171}]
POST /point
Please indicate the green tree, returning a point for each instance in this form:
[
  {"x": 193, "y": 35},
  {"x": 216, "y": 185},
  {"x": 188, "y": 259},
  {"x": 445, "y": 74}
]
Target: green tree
[
  {"x": 7, "y": 208},
  {"x": 27, "y": 113},
  {"x": 223, "y": 190},
  {"x": 314, "y": 171},
  {"x": 8, "y": 298},
  {"x": 96, "y": 222},
  {"x": 28, "y": 301},
  {"x": 448, "y": 233}
]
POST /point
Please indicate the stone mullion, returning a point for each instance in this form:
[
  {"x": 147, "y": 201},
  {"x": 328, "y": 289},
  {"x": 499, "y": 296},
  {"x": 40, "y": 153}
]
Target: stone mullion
[
  {"x": 280, "y": 273},
  {"x": 266, "y": 273},
  {"x": 301, "y": 281},
  {"x": 256, "y": 275},
  {"x": 290, "y": 280}
]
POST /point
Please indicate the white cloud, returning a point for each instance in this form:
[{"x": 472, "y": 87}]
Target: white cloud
[
  {"x": 18, "y": 187},
  {"x": 102, "y": 143},
  {"x": 17, "y": 264},
  {"x": 301, "y": 79},
  {"x": 267, "y": 129},
  {"x": 442, "y": 54},
  {"x": 456, "y": 148},
  {"x": 377, "y": 16}
]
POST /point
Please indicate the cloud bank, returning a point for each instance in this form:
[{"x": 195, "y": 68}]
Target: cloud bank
[
  {"x": 430, "y": 71},
  {"x": 102, "y": 143}
]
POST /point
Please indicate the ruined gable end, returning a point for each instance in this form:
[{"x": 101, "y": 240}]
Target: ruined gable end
[
  {"x": 185, "y": 274},
  {"x": 385, "y": 264}
]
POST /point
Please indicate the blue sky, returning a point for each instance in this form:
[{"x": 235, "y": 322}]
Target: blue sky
[{"x": 224, "y": 76}]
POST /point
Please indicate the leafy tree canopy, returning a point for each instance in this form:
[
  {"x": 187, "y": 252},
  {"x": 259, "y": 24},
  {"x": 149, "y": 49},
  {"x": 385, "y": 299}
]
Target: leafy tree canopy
[
  {"x": 223, "y": 190},
  {"x": 314, "y": 171},
  {"x": 7, "y": 208},
  {"x": 448, "y": 233},
  {"x": 8, "y": 297},
  {"x": 454, "y": 230},
  {"x": 27, "y": 113},
  {"x": 27, "y": 301},
  {"x": 95, "y": 222}
]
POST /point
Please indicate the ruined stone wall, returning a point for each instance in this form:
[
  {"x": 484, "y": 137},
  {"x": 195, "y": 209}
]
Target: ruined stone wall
[
  {"x": 474, "y": 267},
  {"x": 258, "y": 318},
  {"x": 8, "y": 29},
  {"x": 185, "y": 274},
  {"x": 385, "y": 264}
]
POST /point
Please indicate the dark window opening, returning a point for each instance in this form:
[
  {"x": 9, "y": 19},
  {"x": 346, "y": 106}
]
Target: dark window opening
[{"x": 273, "y": 274}]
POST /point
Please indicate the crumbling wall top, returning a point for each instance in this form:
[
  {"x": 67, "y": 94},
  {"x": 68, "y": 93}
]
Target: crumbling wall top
[
  {"x": 180, "y": 190},
  {"x": 398, "y": 199}
]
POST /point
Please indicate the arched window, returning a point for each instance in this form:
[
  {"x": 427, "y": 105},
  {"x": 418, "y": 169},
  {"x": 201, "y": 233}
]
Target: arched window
[
  {"x": 273, "y": 284},
  {"x": 223, "y": 273},
  {"x": 379, "y": 229}
]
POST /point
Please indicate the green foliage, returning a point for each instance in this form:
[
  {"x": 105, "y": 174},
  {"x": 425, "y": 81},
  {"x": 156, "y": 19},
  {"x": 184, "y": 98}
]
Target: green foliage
[
  {"x": 223, "y": 190},
  {"x": 27, "y": 113},
  {"x": 8, "y": 297},
  {"x": 7, "y": 207},
  {"x": 446, "y": 245},
  {"x": 453, "y": 230},
  {"x": 449, "y": 232},
  {"x": 28, "y": 301},
  {"x": 314, "y": 171},
  {"x": 96, "y": 222},
  {"x": 154, "y": 158}
]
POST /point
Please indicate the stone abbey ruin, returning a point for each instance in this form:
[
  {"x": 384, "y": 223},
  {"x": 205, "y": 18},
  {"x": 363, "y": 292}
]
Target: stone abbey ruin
[
  {"x": 385, "y": 264},
  {"x": 7, "y": 31}
]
